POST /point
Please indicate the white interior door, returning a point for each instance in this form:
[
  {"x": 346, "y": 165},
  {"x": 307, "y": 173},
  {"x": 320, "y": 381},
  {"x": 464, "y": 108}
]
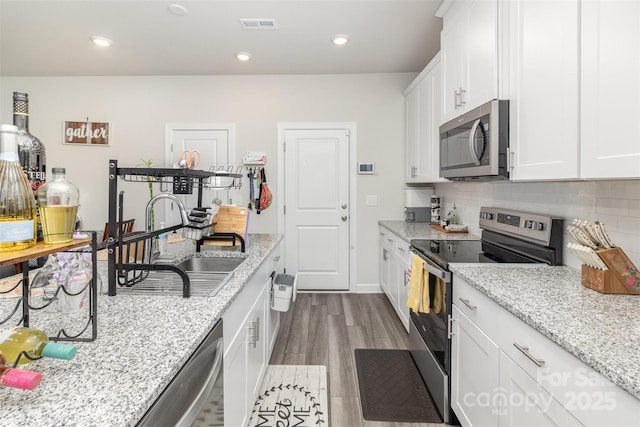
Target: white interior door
[
  {"x": 215, "y": 144},
  {"x": 316, "y": 219}
]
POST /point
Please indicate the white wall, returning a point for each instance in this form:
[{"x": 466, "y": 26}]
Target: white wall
[
  {"x": 615, "y": 203},
  {"x": 139, "y": 107}
]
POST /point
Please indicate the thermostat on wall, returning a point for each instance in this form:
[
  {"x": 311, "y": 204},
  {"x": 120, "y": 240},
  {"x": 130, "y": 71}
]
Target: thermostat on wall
[{"x": 366, "y": 168}]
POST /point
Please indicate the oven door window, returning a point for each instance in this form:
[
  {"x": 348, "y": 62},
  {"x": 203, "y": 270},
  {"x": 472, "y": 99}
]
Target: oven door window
[
  {"x": 432, "y": 326},
  {"x": 465, "y": 146}
]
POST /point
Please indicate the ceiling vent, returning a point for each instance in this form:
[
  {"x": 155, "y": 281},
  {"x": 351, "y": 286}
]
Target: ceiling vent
[{"x": 259, "y": 24}]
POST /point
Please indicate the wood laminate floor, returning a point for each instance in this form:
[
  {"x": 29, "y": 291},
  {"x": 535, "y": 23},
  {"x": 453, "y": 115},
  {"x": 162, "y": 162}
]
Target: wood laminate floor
[{"x": 324, "y": 329}]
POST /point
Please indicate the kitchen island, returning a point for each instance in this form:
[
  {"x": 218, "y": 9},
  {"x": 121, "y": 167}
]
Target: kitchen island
[{"x": 142, "y": 343}]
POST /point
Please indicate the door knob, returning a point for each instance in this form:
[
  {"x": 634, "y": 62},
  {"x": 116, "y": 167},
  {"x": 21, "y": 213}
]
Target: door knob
[
  {"x": 344, "y": 218},
  {"x": 344, "y": 206}
]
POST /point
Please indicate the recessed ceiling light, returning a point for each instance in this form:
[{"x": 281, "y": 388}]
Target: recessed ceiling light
[
  {"x": 340, "y": 39},
  {"x": 101, "y": 41},
  {"x": 243, "y": 56},
  {"x": 178, "y": 9}
]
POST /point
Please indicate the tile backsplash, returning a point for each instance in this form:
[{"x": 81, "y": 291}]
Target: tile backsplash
[{"x": 615, "y": 203}]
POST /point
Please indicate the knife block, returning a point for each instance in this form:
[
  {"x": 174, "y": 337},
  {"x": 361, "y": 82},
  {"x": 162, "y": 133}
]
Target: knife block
[{"x": 621, "y": 278}]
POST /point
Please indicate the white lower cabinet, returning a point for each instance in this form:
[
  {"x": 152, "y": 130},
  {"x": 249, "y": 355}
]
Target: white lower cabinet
[
  {"x": 250, "y": 328},
  {"x": 505, "y": 373},
  {"x": 403, "y": 265},
  {"x": 394, "y": 264},
  {"x": 525, "y": 403},
  {"x": 475, "y": 380},
  {"x": 386, "y": 243}
]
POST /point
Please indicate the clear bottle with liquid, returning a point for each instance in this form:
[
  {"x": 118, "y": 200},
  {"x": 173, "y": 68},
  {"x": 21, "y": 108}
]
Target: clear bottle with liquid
[
  {"x": 31, "y": 151},
  {"x": 58, "y": 200},
  {"x": 35, "y": 343},
  {"x": 17, "y": 203}
]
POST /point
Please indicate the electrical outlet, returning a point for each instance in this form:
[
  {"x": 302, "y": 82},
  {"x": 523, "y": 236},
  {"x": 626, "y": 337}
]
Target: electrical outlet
[{"x": 372, "y": 200}]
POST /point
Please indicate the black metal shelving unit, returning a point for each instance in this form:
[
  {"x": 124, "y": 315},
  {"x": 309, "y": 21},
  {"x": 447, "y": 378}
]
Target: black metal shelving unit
[{"x": 178, "y": 181}]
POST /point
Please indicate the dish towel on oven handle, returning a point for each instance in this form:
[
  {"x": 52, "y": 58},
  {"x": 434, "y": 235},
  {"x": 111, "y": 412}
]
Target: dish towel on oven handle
[
  {"x": 418, "y": 299},
  {"x": 439, "y": 304}
]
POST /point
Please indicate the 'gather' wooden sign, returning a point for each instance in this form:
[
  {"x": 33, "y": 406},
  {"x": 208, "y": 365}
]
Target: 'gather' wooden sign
[{"x": 86, "y": 133}]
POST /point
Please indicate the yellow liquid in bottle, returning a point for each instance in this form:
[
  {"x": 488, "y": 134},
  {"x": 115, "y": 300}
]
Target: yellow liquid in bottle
[
  {"x": 58, "y": 223},
  {"x": 13, "y": 343},
  {"x": 23, "y": 218}
]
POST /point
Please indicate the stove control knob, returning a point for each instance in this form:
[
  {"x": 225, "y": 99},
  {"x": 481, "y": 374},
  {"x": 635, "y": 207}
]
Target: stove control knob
[
  {"x": 539, "y": 226},
  {"x": 528, "y": 224}
]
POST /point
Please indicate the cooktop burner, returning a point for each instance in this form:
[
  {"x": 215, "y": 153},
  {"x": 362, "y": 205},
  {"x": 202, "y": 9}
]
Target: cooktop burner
[{"x": 442, "y": 252}]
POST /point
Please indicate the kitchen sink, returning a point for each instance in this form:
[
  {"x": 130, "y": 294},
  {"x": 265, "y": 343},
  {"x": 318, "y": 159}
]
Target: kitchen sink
[
  {"x": 207, "y": 275},
  {"x": 210, "y": 264}
]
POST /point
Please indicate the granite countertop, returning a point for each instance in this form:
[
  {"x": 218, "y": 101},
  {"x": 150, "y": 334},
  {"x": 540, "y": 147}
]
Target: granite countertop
[
  {"x": 141, "y": 344},
  {"x": 422, "y": 230},
  {"x": 602, "y": 330}
]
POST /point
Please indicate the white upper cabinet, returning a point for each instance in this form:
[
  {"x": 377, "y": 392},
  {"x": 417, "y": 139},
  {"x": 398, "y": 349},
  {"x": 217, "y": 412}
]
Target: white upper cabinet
[
  {"x": 544, "y": 89},
  {"x": 469, "y": 53},
  {"x": 422, "y": 145},
  {"x": 610, "y": 104}
]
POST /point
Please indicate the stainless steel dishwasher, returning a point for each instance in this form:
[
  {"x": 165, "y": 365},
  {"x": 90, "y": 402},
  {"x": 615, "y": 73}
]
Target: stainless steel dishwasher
[{"x": 195, "y": 397}]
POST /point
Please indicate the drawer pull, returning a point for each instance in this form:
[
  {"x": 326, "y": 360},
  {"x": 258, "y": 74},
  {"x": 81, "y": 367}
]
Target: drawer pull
[
  {"x": 468, "y": 303},
  {"x": 525, "y": 350}
]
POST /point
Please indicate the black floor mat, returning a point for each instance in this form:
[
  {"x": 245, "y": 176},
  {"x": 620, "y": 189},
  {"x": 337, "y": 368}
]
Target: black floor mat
[{"x": 391, "y": 388}]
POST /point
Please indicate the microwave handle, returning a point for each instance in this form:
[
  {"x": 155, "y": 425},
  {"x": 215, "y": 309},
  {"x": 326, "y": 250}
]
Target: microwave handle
[{"x": 472, "y": 146}]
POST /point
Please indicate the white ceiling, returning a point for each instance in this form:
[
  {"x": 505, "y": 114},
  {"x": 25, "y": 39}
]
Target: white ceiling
[{"x": 51, "y": 37}]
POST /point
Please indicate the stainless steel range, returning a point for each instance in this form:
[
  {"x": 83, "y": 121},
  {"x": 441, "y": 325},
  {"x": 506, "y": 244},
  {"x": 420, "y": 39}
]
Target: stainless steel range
[{"x": 507, "y": 237}]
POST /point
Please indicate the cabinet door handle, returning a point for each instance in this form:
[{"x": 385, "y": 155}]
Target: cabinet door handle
[
  {"x": 462, "y": 97},
  {"x": 456, "y": 99},
  {"x": 468, "y": 303},
  {"x": 254, "y": 332},
  {"x": 402, "y": 250},
  {"x": 406, "y": 278},
  {"x": 525, "y": 350},
  {"x": 450, "y": 326}
]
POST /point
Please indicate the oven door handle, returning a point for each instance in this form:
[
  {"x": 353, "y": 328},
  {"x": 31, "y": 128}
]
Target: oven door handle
[{"x": 432, "y": 268}]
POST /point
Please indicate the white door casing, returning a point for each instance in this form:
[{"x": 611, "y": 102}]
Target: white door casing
[
  {"x": 317, "y": 184},
  {"x": 214, "y": 141}
]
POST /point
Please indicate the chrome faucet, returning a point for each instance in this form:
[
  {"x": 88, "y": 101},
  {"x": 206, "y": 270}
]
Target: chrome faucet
[
  {"x": 183, "y": 211},
  {"x": 151, "y": 252}
]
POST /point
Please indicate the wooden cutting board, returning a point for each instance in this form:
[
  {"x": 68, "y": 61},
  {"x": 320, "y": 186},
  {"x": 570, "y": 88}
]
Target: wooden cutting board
[{"x": 230, "y": 219}]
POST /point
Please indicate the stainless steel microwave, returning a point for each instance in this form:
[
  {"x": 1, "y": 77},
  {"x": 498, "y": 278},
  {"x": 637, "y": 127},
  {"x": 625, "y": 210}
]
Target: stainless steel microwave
[{"x": 475, "y": 145}]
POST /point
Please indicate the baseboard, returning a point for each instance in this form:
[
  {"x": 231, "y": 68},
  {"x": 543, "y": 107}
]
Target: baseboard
[{"x": 367, "y": 288}]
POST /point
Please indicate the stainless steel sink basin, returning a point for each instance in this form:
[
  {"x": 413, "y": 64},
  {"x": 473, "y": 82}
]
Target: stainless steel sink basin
[
  {"x": 210, "y": 264},
  {"x": 207, "y": 275}
]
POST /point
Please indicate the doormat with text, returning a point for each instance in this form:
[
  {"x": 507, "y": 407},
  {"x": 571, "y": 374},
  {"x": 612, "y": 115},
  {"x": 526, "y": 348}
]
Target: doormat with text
[{"x": 293, "y": 395}]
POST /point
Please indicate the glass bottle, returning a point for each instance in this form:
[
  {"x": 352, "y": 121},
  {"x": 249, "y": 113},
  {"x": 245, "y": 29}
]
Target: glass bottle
[
  {"x": 17, "y": 204},
  {"x": 31, "y": 151},
  {"x": 58, "y": 200},
  {"x": 35, "y": 343},
  {"x": 18, "y": 378}
]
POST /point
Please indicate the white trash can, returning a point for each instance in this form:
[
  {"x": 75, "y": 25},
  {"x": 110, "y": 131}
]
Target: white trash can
[{"x": 283, "y": 290}]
